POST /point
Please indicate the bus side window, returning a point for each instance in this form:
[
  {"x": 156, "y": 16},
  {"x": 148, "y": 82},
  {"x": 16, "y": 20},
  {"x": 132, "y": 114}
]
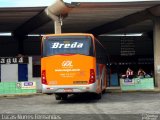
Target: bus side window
[{"x": 98, "y": 53}]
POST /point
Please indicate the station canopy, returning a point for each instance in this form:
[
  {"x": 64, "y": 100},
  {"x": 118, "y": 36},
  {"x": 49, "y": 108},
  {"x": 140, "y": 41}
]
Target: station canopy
[{"x": 91, "y": 17}]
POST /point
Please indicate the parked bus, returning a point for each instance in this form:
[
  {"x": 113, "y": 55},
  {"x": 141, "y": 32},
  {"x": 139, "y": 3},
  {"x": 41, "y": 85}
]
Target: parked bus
[{"x": 73, "y": 63}]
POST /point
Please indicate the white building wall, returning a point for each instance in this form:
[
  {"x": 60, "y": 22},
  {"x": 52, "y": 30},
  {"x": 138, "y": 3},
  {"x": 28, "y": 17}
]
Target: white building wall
[{"x": 9, "y": 73}]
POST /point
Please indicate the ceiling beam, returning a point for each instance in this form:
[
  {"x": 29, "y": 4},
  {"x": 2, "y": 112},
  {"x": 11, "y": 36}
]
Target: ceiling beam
[
  {"x": 126, "y": 21},
  {"x": 59, "y": 8},
  {"x": 32, "y": 24}
]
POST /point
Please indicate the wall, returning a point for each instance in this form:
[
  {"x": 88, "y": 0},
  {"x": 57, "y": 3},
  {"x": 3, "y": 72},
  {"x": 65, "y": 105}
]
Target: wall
[
  {"x": 113, "y": 44},
  {"x": 9, "y": 73}
]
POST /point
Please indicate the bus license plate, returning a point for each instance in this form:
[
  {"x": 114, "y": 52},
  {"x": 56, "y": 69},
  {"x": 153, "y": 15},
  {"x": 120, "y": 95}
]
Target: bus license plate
[{"x": 68, "y": 90}]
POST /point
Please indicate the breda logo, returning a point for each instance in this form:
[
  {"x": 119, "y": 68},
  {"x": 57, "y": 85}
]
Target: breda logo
[
  {"x": 62, "y": 45},
  {"x": 67, "y": 63}
]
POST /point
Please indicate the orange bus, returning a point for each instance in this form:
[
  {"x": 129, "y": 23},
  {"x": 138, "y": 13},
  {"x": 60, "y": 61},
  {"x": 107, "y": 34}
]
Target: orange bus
[{"x": 73, "y": 63}]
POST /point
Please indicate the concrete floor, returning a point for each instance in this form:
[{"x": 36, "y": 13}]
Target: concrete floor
[{"x": 122, "y": 104}]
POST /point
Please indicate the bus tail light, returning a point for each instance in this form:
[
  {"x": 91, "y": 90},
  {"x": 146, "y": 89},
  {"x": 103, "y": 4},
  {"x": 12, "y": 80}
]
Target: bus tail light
[
  {"x": 43, "y": 77},
  {"x": 92, "y": 76}
]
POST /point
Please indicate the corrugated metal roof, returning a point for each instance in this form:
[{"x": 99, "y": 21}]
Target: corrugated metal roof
[
  {"x": 11, "y": 18},
  {"x": 82, "y": 18}
]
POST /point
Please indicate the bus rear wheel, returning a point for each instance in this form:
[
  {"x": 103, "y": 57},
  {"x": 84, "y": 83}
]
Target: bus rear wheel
[
  {"x": 98, "y": 96},
  {"x": 61, "y": 96},
  {"x": 64, "y": 96},
  {"x": 57, "y": 96}
]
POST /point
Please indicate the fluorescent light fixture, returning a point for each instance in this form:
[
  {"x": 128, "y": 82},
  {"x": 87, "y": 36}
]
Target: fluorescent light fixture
[
  {"x": 36, "y": 35},
  {"x": 32, "y": 35},
  {"x": 6, "y": 34},
  {"x": 43, "y": 34},
  {"x": 130, "y": 34}
]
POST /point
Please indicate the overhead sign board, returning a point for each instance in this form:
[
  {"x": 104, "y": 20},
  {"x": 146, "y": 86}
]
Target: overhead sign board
[
  {"x": 13, "y": 60},
  {"x": 127, "y": 47}
]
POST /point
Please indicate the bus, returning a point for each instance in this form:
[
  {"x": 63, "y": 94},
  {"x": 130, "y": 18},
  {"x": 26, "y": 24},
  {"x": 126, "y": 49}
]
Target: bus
[{"x": 73, "y": 63}]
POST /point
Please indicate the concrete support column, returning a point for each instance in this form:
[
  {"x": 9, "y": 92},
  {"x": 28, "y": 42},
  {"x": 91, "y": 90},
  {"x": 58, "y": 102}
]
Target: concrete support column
[
  {"x": 57, "y": 21},
  {"x": 57, "y": 27},
  {"x": 156, "y": 43}
]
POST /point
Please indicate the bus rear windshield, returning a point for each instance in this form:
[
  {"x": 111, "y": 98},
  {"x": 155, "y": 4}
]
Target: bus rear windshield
[{"x": 67, "y": 45}]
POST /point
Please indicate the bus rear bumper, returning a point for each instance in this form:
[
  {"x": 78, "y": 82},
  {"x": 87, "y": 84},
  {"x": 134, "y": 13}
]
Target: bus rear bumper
[{"x": 69, "y": 88}]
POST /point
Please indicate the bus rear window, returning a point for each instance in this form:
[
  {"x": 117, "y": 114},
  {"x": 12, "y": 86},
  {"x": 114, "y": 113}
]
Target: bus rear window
[{"x": 67, "y": 45}]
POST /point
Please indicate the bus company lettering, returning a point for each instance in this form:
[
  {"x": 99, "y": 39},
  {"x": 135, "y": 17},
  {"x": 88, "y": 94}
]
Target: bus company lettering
[
  {"x": 62, "y": 45},
  {"x": 67, "y": 66}
]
